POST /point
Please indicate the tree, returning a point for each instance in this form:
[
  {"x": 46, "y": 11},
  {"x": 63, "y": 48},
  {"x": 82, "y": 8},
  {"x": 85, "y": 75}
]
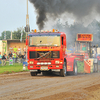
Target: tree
[
  {"x": 8, "y": 35},
  {"x": 17, "y": 34}
]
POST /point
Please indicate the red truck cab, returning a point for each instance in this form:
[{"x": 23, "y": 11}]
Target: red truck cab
[{"x": 46, "y": 52}]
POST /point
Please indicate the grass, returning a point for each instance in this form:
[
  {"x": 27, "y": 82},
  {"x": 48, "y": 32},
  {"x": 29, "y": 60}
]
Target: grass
[{"x": 11, "y": 68}]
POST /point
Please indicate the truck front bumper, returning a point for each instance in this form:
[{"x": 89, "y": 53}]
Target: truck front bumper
[{"x": 45, "y": 67}]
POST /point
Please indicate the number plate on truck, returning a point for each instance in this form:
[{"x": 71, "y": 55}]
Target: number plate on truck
[{"x": 44, "y": 68}]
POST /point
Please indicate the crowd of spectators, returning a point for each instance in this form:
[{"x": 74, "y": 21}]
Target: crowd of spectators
[{"x": 15, "y": 54}]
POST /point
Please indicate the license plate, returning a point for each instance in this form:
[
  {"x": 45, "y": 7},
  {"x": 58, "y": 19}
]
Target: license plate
[{"x": 44, "y": 68}]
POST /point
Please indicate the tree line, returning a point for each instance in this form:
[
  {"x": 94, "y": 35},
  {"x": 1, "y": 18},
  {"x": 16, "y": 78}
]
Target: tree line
[
  {"x": 70, "y": 30},
  {"x": 15, "y": 34}
]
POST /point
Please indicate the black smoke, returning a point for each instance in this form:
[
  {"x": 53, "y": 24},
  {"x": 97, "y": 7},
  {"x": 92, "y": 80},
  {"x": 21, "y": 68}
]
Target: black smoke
[{"x": 55, "y": 8}]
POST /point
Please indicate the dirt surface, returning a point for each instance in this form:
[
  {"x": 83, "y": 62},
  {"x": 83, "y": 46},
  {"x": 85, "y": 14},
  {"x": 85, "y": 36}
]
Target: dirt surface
[{"x": 22, "y": 86}]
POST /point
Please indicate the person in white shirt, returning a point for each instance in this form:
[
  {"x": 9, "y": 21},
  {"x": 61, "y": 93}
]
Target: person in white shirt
[
  {"x": 25, "y": 49},
  {"x": 11, "y": 48},
  {"x": 19, "y": 50}
]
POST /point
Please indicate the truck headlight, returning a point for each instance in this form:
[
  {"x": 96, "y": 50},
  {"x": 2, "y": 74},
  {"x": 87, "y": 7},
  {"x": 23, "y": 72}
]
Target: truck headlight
[
  {"x": 57, "y": 62},
  {"x": 31, "y": 62},
  {"x": 38, "y": 63},
  {"x": 49, "y": 63},
  {"x": 45, "y": 63},
  {"x": 42, "y": 63}
]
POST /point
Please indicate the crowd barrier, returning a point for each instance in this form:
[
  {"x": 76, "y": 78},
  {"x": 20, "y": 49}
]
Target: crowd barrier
[{"x": 13, "y": 62}]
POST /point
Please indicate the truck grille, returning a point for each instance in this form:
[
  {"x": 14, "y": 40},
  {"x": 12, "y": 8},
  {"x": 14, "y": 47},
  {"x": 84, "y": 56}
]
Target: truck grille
[{"x": 44, "y": 54}]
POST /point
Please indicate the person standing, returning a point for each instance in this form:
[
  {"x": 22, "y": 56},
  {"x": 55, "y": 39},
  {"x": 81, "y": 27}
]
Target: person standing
[
  {"x": 25, "y": 49},
  {"x": 19, "y": 58},
  {"x": 11, "y": 48},
  {"x": 14, "y": 57},
  {"x": 19, "y": 50},
  {"x": 23, "y": 57},
  {"x": 10, "y": 55},
  {"x": 4, "y": 58},
  {"x": 15, "y": 49},
  {"x": 0, "y": 58}
]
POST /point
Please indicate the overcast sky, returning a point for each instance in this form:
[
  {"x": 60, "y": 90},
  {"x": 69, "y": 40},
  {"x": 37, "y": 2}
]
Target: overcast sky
[{"x": 13, "y": 15}]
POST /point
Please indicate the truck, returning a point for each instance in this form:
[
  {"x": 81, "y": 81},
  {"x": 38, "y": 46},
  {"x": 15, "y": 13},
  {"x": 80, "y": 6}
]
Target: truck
[{"x": 46, "y": 52}]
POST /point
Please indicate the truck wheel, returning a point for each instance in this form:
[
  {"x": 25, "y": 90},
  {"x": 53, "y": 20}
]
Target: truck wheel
[
  {"x": 95, "y": 67},
  {"x": 63, "y": 71},
  {"x": 33, "y": 73},
  {"x": 75, "y": 68}
]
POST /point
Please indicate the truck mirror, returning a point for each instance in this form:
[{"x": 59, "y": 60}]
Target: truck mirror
[{"x": 26, "y": 42}]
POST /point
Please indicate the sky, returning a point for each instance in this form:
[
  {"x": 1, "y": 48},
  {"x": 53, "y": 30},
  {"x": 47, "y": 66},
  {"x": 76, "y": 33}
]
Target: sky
[{"x": 13, "y": 15}]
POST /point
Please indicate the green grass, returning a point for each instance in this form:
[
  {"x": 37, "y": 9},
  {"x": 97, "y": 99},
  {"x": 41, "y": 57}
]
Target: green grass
[{"x": 11, "y": 68}]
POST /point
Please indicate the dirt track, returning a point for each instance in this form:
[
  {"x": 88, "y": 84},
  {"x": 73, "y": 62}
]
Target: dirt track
[{"x": 24, "y": 87}]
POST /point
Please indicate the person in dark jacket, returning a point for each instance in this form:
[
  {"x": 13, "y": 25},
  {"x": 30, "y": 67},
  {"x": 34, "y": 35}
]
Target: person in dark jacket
[
  {"x": 10, "y": 55},
  {"x": 0, "y": 58},
  {"x": 23, "y": 57},
  {"x": 4, "y": 58},
  {"x": 19, "y": 58}
]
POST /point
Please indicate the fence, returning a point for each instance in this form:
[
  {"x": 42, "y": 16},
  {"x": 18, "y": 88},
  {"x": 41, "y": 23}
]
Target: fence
[
  {"x": 13, "y": 61},
  {"x": 19, "y": 59},
  {"x": 9, "y": 66}
]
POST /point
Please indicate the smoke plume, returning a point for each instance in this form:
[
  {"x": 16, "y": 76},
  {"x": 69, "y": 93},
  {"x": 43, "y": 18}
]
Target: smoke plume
[{"x": 55, "y": 8}]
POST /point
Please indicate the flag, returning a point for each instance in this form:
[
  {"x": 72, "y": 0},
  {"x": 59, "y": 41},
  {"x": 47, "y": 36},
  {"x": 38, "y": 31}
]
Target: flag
[
  {"x": 5, "y": 35},
  {"x": 21, "y": 36}
]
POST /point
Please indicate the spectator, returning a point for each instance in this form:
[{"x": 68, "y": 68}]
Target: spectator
[
  {"x": 14, "y": 57},
  {"x": 11, "y": 48},
  {"x": 23, "y": 57},
  {"x": 19, "y": 57},
  {"x": 25, "y": 49},
  {"x": 19, "y": 50},
  {"x": 10, "y": 55},
  {"x": 0, "y": 57},
  {"x": 15, "y": 49},
  {"x": 4, "y": 58}
]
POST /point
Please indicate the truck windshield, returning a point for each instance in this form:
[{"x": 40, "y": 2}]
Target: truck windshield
[{"x": 44, "y": 41}]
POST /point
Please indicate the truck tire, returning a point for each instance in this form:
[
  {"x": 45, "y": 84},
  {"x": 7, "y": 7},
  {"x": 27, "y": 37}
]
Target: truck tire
[
  {"x": 95, "y": 69},
  {"x": 33, "y": 73},
  {"x": 63, "y": 71},
  {"x": 75, "y": 68}
]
